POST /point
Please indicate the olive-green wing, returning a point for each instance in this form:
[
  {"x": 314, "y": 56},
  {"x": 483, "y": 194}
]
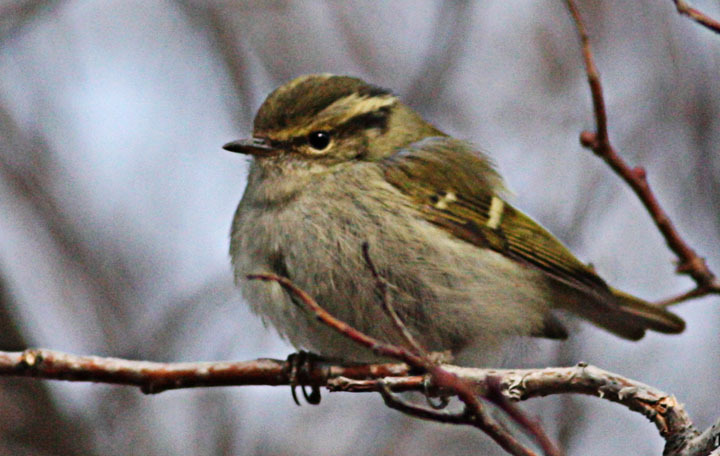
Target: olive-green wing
[{"x": 456, "y": 188}]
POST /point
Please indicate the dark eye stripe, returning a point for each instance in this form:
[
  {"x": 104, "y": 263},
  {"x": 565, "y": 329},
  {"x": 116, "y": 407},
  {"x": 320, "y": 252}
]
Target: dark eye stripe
[{"x": 375, "y": 119}]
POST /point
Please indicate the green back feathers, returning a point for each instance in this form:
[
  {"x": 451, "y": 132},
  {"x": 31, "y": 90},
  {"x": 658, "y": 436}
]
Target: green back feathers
[{"x": 456, "y": 189}]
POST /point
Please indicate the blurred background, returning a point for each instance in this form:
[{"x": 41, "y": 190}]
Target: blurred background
[{"x": 116, "y": 200}]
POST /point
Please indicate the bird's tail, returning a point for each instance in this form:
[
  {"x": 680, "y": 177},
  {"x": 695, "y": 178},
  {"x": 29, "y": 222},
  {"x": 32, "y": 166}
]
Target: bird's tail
[{"x": 632, "y": 316}]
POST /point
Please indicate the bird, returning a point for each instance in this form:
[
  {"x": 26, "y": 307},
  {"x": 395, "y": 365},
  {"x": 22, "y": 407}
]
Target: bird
[{"x": 338, "y": 163}]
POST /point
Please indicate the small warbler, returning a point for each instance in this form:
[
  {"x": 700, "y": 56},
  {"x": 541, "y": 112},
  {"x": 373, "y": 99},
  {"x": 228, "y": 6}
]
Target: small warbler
[{"x": 338, "y": 163}]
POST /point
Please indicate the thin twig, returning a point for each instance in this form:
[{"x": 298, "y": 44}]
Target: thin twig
[
  {"x": 440, "y": 377},
  {"x": 696, "y": 292},
  {"x": 495, "y": 395},
  {"x": 378, "y": 347},
  {"x": 474, "y": 409},
  {"x": 701, "y": 18},
  {"x": 600, "y": 138},
  {"x": 383, "y": 287},
  {"x": 661, "y": 408},
  {"x": 689, "y": 262},
  {"x": 425, "y": 413},
  {"x": 512, "y": 445}
]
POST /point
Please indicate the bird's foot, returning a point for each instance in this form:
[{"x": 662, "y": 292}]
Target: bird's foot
[{"x": 301, "y": 364}]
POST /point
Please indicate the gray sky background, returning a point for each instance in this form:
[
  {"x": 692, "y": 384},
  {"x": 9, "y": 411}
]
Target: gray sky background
[{"x": 116, "y": 200}]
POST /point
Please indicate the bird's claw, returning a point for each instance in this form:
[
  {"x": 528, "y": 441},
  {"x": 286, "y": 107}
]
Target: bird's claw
[
  {"x": 443, "y": 400},
  {"x": 300, "y": 366}
]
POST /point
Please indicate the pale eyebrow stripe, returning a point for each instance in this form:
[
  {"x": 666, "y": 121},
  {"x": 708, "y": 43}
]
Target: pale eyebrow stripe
[{"x": 340, "y": 111}]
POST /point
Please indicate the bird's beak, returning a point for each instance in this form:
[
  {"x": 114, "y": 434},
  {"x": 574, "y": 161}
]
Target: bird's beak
[{"x": 258, "y": 147}]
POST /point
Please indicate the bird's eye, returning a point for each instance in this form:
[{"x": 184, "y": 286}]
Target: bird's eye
[{"x": 319, "y": 140}]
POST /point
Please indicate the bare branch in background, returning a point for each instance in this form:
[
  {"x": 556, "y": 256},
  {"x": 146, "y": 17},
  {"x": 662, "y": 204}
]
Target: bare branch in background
[
  {"x": 211, "y": 19},
  {"x": 106, "y": 276},
  {"x": 452, "y": 24},
  {"x": 17, "y": 14},
  {"x": 701, "y": 18},
  {"x": 43, "y": 428},
  {"x": 599, "y": 142},
  {"x": 450, "y": 40}
]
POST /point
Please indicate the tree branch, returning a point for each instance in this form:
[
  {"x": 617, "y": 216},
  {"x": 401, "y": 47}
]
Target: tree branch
[
  {"x": 441, "y": 378},
  {"x": 383, "y": 287},
  {"x": 685, "y": 9},
  {"x": 688, "y": 260},
  {"x": 153, "y": 378},
  {"x": 662, "y": 409}
]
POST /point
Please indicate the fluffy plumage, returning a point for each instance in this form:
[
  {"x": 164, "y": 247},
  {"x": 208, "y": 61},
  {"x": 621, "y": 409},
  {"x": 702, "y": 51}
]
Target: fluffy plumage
[{"x": 465, "y": 267}]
